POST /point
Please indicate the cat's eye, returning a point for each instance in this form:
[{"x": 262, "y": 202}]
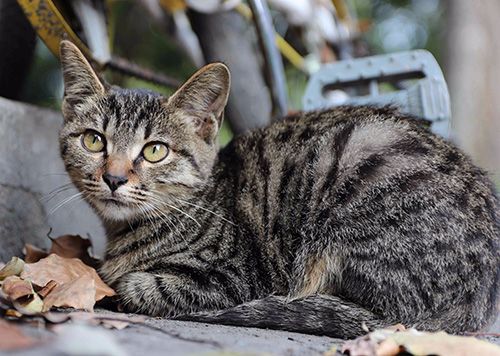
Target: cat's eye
[
  {"x": 93, "y": 141},
  {"x": 155, "y": 152}
]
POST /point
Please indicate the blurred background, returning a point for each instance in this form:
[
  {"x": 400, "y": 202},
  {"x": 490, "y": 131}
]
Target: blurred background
[{"x": 463, "y": 35}]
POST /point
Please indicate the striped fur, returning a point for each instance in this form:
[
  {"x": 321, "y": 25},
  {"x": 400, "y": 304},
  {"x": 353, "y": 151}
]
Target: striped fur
[{"x": 322, "y": 223}]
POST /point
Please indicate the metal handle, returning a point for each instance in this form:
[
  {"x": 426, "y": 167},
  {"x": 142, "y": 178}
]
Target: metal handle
[{"x": 274, "y": 63}]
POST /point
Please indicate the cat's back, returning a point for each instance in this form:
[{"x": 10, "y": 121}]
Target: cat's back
[
  {"x": 372, "y": 169},
  {"x": 396, "y": 205},
  {"x": 345, "y": 140}
]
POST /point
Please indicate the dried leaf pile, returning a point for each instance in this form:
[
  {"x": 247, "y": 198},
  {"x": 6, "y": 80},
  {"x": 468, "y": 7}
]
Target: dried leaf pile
[{"x": 57, "y": 278}]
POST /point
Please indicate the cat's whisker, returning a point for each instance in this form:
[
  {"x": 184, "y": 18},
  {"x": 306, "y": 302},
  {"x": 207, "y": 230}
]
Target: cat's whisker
[
  {"x": 157, "y": 213},
  {"x": 65, "y": 201},
  {"x": 53, "y": 174},
  {"x": 161, "y": 204},
  {"x": 207, "y": 210},
  {"x": 161, "y": 215},
  {"x": 53, "y": 193},
  {"x": 176, "y": 209}
]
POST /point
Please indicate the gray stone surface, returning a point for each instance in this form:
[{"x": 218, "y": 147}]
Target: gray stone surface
[
  {"x": 30, "y": 168},
  {"x": 173, "y": 338},
  {"x": 168, "y": 337}
]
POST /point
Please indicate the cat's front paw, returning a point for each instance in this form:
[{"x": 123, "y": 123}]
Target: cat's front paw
[{"x": 139, "y": 292}]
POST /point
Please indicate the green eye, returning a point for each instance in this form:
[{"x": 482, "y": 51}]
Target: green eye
[
  {"x": 155, "y": 152},
  {"x": 93, "y": 141}
]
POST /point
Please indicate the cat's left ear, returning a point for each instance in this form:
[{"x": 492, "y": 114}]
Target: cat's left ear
[
  {"x": 202, "y": 99},
  {"x": 80, "y": 79}
]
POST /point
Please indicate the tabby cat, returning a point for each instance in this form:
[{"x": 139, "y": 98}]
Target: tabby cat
[{"x": 325, "y": 223}]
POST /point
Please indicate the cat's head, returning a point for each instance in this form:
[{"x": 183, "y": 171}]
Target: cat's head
[{"x": 133, "y": 151}]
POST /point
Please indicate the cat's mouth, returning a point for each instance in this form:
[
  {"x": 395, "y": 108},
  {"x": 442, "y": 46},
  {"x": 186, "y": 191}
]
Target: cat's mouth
[
  {"x": 113, "y": 201},
  {"x": 115, "y": 208}
]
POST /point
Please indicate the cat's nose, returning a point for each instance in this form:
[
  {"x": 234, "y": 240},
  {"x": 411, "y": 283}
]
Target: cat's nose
[{"x": 114, "y": 182}]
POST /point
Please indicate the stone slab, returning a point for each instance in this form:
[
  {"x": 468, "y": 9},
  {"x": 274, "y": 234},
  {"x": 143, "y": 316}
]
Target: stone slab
[{"x": 30, "y": 168}]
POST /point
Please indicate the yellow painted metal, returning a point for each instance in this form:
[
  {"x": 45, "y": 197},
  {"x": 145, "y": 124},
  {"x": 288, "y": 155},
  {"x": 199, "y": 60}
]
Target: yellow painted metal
[
  {"x": 285, "y": 48},
  {"x": 173, "y": 5},
  {"x": 50, "y": 25},
  {"x": 342, "y": 10},
  {"x": 290, "y": 53}
]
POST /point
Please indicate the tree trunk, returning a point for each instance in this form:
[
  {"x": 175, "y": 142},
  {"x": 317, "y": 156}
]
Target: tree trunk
[{"x": 473, "y": 73}]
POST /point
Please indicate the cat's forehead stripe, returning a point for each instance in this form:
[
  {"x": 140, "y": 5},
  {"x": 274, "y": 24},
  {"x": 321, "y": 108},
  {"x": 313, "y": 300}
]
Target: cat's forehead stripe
[{"x": 131, "y": 113}]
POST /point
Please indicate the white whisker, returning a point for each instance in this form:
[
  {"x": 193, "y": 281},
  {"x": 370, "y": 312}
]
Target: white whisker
[
  {"x": 207, "y": 210},
  {"x": 64, "y": 202}
]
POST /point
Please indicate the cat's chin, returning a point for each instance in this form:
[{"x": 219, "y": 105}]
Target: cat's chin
[{"x": 111, "y": 211}]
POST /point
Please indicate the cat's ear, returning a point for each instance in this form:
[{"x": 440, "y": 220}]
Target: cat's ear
[
  {"x": 202, "y": 99},
  {"x": 80, "y": 80}
]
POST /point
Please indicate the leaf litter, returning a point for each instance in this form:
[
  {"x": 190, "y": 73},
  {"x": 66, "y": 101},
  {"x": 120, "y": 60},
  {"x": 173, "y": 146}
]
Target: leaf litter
[{"x": 62, "y": 277}]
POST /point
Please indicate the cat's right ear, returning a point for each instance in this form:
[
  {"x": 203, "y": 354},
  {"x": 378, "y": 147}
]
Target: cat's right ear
[
  {"x": 203, "y": 99},
  {"x": 80, "y": 80}
]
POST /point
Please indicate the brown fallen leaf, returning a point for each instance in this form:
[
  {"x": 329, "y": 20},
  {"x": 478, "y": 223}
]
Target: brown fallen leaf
[
  {"x": 129, "y": 318},
  {"x": 68, "y": 246},
  {"x": 64, "y": 270},
  {"x": 441, "y": 343},
  {"x": 388, "y": 347},
  {"x": 78, "y": 293},
  {"x": 33, "y": 254},
  {"x": 47, "y": 289},
  {"x": 31, "y": 305},
  {"x": 56, "y": 317},
  {"x": 12, "y": 313},
  {"x": 14, "y": 288},
  {"x": 389, "y": 342},
  {"x": 13, "y": 268},
  {"x": 361, "y": 346},
  {"x": 74, "y": 246},
  {"x": 108, "y": 320},
  {"x": 12, "y": 337}
]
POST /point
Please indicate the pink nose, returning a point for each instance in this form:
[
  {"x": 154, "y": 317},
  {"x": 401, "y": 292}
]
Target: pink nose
[{"x": 114, "y": 182}]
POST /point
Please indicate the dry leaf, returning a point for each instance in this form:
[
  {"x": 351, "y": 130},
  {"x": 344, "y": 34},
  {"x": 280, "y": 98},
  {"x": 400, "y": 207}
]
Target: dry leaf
[
  {"x": 33, "y": 254},
  {"x": 74, "y": 246},
  {"x": 361, "y": 346},
  {"x": 47, "y": 289},
  {"x": 55, "y": 317},
  {"x": 14, "y": 288},
  {"x": 387, "y": 342},
  {"x": 441, "y": 343},
  {"x": 13, "y": 313},
  {"x": 13, "y": 268},
  {"x": 12, "y": 337},
  {"x": 78, "y": 293},
  {"x": 64, "y": 270},
  {"x": 68, "y": 246},
  {"x": 388, "y": 347},
  {"x": 108, "y": 320},
  {"x": 31, "y": 305}
]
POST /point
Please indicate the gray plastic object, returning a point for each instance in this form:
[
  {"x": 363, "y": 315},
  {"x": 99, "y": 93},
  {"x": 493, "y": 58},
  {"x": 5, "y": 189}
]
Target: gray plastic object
[{"x": 426, "y": 96}]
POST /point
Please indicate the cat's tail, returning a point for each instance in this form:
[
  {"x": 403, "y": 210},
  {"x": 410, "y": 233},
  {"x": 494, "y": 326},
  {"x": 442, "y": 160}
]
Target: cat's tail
[{"x": 317, "y": 314}]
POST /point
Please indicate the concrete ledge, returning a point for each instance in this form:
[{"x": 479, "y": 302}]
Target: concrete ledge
[{"x": 30, "y": 168}]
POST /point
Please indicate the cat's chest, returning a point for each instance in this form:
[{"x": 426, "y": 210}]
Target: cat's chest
[{"x": 125, "y": 253}]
